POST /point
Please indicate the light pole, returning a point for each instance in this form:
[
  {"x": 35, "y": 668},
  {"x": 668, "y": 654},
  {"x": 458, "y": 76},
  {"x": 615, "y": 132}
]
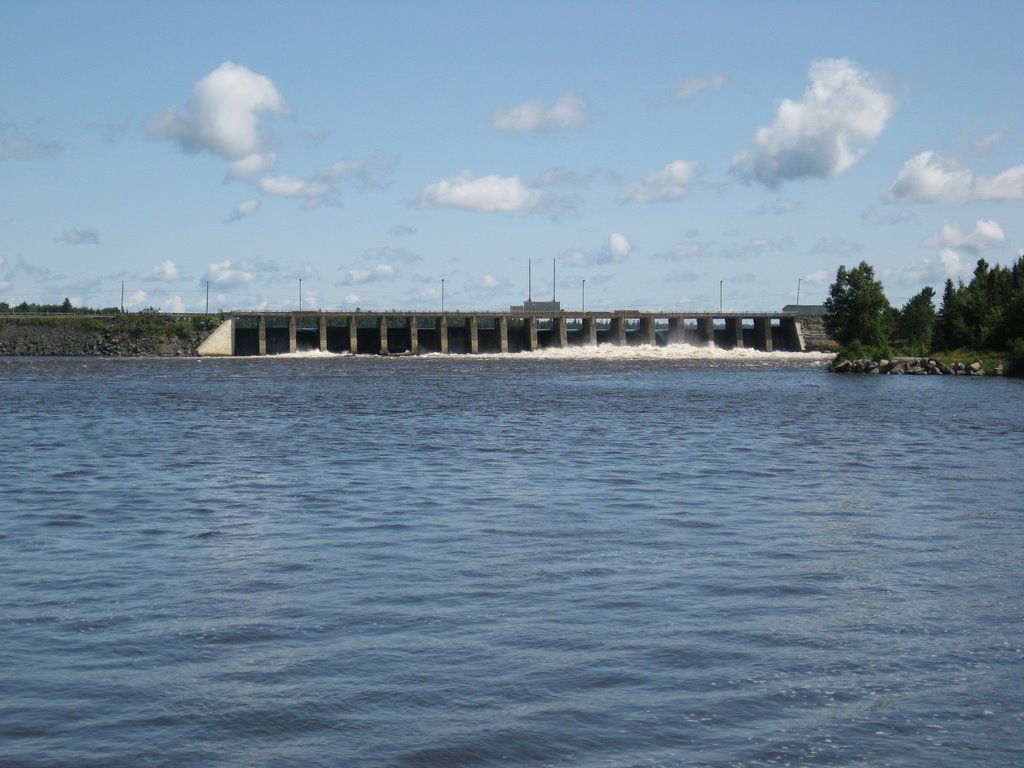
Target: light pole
[
  {"x": 442, "y": 295},
  {"x": 584, "y": 303},
  {"x": 300, "y": 294},
  {"x": 798, "y": 293},
  {"x": 720, "y": 295}
]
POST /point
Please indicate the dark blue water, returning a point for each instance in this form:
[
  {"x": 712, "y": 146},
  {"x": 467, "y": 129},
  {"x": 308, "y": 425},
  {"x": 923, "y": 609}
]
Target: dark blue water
[{"x": 452, "y": 562}]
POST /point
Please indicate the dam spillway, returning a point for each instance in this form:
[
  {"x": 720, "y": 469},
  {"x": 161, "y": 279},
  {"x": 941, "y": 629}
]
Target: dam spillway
[{"x": 248, "y": 333}]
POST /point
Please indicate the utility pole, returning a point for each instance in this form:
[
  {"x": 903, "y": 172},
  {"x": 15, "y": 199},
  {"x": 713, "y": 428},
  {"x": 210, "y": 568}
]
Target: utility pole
[{"x": 798, "y": 294}]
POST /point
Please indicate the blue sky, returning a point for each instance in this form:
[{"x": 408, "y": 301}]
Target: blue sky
[{"x": 672, "y": 155}]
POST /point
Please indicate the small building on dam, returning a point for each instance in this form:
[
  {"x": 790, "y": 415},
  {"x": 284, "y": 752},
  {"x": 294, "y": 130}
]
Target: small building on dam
[{"x": 521, "y": 329}]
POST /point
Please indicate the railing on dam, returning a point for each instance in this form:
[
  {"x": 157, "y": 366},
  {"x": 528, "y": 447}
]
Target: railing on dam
[{"x": 408, "y": 332}]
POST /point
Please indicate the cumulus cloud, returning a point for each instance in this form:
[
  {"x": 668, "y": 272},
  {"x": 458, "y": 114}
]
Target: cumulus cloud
[
  {"x": 986, "y": 235},
  {"x": 80, "y": 237},
  {"x": 292, "y": 186},
  {"x": 244, "y": 209},
  {"x": 402, "y": 230},
  {"x": 23, "y": 148},
  {"x": 165, "y": 271},
  {"x": 825, "y": 133},
  {"x": 569, "y": 111},
  {"x": 223, "y": 114},
  {"x": 251, "y": 166},
  {"x": 483, "y": 194},
  {"x": 379, "y": 273},
  {"x": 229, "y": 273},
  {"x": 136, "y": 298},
  {"x": 616, "y": 249},
  {"x": 819, "y": 277},
  {"x": 670, "y": 183},
  {"x": 321, "y": 188},
  {"x": 489, "y": 283},
  {"x": 175, "y": 304},
  {"x": 930, "y": 270},
  {"x": 691, "y": 86},
  {"x": 929, "y": 178}
]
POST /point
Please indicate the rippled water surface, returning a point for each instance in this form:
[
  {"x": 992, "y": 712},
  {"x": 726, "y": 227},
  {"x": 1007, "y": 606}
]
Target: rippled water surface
[{"x": 515, "y": 562}]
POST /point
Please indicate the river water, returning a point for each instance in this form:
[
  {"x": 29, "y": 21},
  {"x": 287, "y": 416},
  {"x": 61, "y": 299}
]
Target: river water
[{"x": 632, "y": 559}]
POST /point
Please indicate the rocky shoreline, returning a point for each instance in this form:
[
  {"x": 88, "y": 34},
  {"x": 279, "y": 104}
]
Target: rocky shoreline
[
  {"x": 123, "y": 336},
  {"x": 911, "y": 366}
]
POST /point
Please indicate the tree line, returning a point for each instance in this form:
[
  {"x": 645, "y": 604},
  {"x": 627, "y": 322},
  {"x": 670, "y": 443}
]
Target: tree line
[
  {"x": 984, "y": 315},
  {"x": 25, "y": 308}
]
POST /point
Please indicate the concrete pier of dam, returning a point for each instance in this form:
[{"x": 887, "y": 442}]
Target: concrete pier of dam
[{"x": 413, "y": 333}]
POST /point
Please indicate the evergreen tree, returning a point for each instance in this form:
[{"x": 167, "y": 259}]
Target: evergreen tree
[
  {"x": 857, "y": 311},
  {"x": 916, "y": 321}
]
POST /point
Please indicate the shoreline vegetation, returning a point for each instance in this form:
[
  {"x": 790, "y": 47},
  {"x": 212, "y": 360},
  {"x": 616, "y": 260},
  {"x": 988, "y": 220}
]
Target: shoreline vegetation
[
  {"x": 978, "y": 328},
  {"x": 64, "y": 331}
]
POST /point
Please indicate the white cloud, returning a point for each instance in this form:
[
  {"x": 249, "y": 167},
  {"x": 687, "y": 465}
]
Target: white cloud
[
  {"x": 782, "y": 207},
  {"x": 353, "y": 298},
  {"x": 292, "y": 186},
  {"x": 617, "y": 249},
  {"x": 137, "y": 298},
  {"x": 691, "y": 86},
  {"x": 80, "y": 237},
  {"x": 165, "y": 271},
  {"x": 174, "y": 304},
  {"x": 929, "y": 178},
  {"x": 321, "y": 187},
  {"x": 362, "y": 276},
  {"x": 825, "y": 133},
  {"x": 229, "y": 273},
  {"x": 402, "y": 230},
  {"x": 670, "y": 183},
  {"x": 990, "y": 141},
  {"x": 244, "y": 209},
  {"x": 251, "y": 166},
  {"x": 489, "y": 283},
  {"x": 931, "y": 270},
  {"x": 483, "y": 194},
  {"x": 986, "y": 235},
  {"x": 569, "y": 111},
  {"x": 820, "y": 277},
  {"x": 22, "y": 148},
  {"x": 223, "y": 114}
]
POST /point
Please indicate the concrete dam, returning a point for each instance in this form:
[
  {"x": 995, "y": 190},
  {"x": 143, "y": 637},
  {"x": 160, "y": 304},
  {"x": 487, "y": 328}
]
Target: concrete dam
[{"x": 248, "y": 333}]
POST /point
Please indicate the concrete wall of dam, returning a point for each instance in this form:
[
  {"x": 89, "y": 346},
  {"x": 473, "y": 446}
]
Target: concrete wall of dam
[{"x": 389, "y": 333}]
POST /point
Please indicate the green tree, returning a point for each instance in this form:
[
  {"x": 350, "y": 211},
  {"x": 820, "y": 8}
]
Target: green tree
[
  {"x": 916, "y": 321},
  {"x": 857, "y": 311}
]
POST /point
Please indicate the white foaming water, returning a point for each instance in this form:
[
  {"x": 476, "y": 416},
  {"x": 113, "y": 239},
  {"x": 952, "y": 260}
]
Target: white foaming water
[{"x": 605, "y": 352}]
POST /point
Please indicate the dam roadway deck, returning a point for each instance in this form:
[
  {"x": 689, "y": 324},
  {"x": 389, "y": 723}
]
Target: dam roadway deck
[{"x": 419, "y": 332}]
